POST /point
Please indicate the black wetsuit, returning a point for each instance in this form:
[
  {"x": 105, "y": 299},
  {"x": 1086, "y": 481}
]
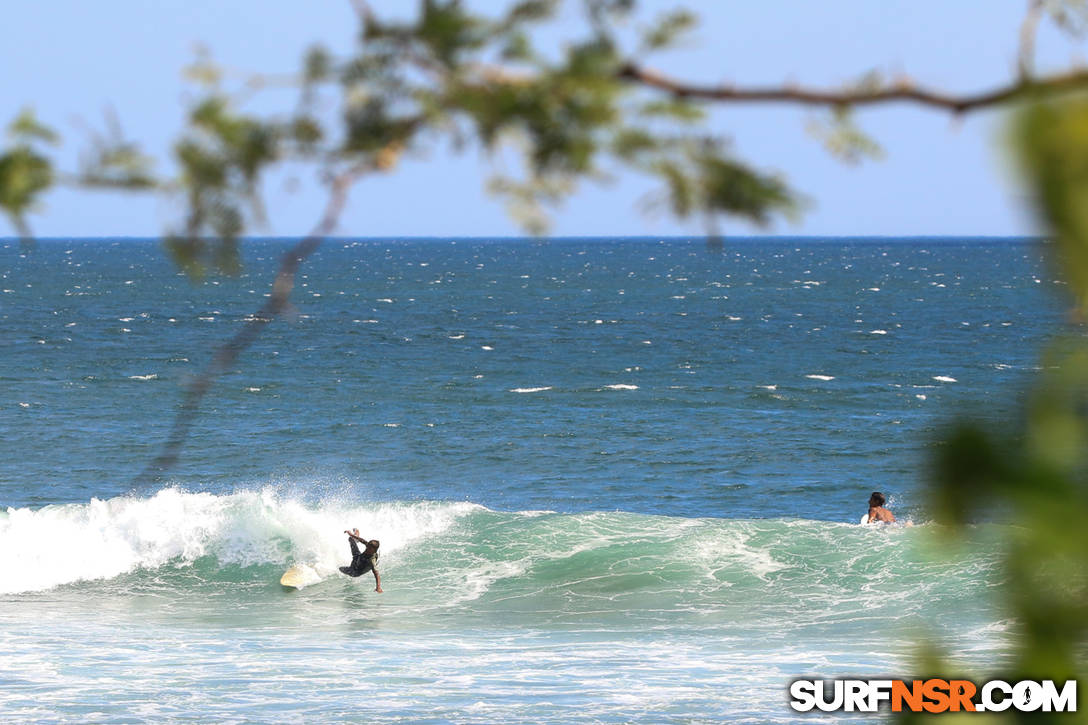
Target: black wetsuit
[{"x": 361, "y": 562}]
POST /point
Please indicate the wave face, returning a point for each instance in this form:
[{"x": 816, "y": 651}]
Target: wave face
[{"x": 478, "y": 564}]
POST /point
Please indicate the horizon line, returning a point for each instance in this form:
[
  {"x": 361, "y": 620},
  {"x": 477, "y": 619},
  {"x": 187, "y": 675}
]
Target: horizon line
[{"x": 546, "y": 238}]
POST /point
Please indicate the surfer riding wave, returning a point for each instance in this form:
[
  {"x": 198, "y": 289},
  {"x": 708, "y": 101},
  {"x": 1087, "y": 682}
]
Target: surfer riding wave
[{"x": 365, "y": 560}]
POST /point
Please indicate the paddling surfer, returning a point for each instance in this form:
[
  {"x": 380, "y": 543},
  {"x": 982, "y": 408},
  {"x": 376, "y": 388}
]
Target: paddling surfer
[
  {"x": 877, "y": 512},
  {"x": 365, "y": 560}
]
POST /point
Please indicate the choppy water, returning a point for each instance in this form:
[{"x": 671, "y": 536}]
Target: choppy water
[{"x": 614, "y": 481}]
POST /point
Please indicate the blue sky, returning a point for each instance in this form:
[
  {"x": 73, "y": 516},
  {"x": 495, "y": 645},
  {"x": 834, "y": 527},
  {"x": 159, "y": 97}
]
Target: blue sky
[{"x": 70, "y": 59}]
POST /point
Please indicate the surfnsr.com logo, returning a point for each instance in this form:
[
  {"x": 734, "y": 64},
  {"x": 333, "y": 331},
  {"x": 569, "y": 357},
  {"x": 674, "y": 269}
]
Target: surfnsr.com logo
[{"x": 933, "y": 695}]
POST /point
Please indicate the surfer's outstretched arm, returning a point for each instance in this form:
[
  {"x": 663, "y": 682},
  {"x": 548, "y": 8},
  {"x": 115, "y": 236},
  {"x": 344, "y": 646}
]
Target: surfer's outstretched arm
[{"x": 377, "y": 580}]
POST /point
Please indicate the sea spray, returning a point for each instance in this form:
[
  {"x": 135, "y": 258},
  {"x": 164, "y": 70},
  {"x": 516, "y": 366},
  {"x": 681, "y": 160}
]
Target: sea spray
[{"x": 102, "y": 539}]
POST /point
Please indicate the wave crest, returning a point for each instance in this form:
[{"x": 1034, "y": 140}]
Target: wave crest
[{"x": 103, "y": 539}]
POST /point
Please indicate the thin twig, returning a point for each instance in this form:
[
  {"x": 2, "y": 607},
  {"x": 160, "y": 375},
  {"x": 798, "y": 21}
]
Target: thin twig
[
  {"x": 1064, "y": 83},
  {"x": 1027, "y": 37},
  {"x": 276, "y": 304}
]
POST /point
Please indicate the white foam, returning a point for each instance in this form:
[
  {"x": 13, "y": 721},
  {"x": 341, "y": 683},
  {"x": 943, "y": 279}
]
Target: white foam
[
  {"x": 531, "y": 390},
  {"x": 56, "y": 545},
  {"x": 825, "y": 378},
  {"x": 944, "y": 379},
  {"x": 152, "y": 376},
  {"x": 716, "y": 549},
  {"x": 620, "y": 386}
]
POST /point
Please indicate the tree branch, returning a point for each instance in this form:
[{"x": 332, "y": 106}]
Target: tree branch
[
  {"x": 275, "y": 306},
  {"x": 904, "y": 92}
]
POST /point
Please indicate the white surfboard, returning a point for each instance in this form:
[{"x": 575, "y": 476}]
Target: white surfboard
[{"x": 299, "y": 576}]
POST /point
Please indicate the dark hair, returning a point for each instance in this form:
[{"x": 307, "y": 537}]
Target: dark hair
[
  {"x": 877, "y": 499},
  {"x": 374, "y": 542}
]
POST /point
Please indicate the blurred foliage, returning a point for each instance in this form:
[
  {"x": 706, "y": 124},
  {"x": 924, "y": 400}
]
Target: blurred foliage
[
  {"x": 549, "y": 117},
  {"x": 843, "y": 139},
  {"x": 1052, "y": 139},
  {"x": 25, "y": 170},
  {"x": 110, "y": 161},
  {"x": 1033, "y": 474}
]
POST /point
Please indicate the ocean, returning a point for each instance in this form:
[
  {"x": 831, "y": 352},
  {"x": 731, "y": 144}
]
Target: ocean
[{"x": 615, "y": 480}]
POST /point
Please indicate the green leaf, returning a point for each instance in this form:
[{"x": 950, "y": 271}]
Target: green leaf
[
  {"x": 844, "y": 139},
  {"x": 630, "y": 143},
  {"x": 448, "y": 31},
  {"x": 306, "y": 131},
  {"x": 26, "y": 128},
  {"x": 669, "y": 29},
  {"x": 517, "y": 48},
  {"x": 674, "y": 108},
  {"x": 530, "y": 11},
  {"x": 24, "y": 175},
  {"x": 317, "y": 66}
]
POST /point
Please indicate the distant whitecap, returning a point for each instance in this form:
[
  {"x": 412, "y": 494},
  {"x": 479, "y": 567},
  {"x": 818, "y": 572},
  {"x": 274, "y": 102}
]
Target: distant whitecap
[
  {"x": 825, "y": 378},
  {"x": 944, "y": 379},
  {"x": 531, "y": 390},
  {"x": 621, "y": 386},
  {"x": 152, "y": 376}
]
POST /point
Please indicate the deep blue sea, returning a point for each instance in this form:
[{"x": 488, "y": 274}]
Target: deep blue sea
[{"x": 614, "y": 480}]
